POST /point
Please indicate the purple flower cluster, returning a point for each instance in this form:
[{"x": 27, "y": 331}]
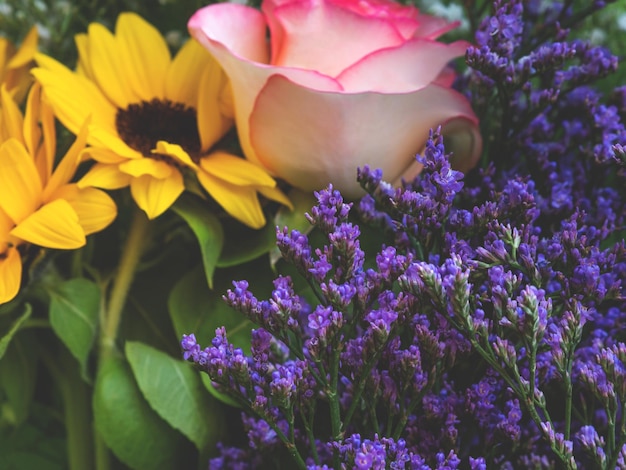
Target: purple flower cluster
[{"x": 486, "y": 329}]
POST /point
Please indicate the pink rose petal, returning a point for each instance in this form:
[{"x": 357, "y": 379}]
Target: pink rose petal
[{"x": 326, "y": 136}]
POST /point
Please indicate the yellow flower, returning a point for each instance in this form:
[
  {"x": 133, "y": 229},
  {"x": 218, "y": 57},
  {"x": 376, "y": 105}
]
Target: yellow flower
[
  {"x": 15, "y": 64},
  {"x": 38, "y": 204},
  {"x": 154, "y": 119}
]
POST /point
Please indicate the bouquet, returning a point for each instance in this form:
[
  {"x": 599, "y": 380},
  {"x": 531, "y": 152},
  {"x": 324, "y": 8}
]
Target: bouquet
[{"x": 313, "y": 234}]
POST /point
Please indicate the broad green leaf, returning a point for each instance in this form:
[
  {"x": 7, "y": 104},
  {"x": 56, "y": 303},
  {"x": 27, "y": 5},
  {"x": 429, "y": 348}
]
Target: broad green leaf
[
  {"x": 127, "y": 424},
  {"x": 74, "y": 307},
  {"x": 18, "y": 372},
  {"x": 223, "y": 397},
  {"x": 12, "y": 327},
  {"x": 34, "y": 444},
  {"x": 207, "y": 229},
  {"x": 174, "y": 390},
  {"x": 243, "y": 244},
  {"x": 194, "y": 308},
  {"x": 302, "y": 202}
]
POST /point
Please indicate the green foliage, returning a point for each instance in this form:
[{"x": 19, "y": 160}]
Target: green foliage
[
  {"x": 10, "y": 323},
  {"x": 207, "y": 229},
  {"x": 127, "y": 423},
  {"x": 74, "y": 308},
  {"x": 31, "y": 446},
  {"x": 174, "y": 390},
  {"x": 18, "y": 372}
]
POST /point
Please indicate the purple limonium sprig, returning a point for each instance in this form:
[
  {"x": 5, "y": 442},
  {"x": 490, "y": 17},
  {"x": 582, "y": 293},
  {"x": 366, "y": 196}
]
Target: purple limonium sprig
[{"x": 483, "y": 325}]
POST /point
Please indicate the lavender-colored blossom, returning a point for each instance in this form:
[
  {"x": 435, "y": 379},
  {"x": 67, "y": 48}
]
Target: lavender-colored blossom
[{"x": 457, "y": 321}]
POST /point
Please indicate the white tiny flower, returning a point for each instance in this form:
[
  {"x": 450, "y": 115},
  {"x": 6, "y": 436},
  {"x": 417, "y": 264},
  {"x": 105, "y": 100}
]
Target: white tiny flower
[
  {"x": 5, "y": 9},
  {"x": 43, "y": 32},
  {"x": 621, "y": 21},
  {"x": 452, "y": 12},
  {"x": 597, "y": 36}
]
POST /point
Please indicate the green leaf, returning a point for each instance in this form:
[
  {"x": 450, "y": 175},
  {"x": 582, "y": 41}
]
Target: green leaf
[
  {"x": 127, "y": 424},
  {"x": 35, "y": 444},
  {"x": 12, "y": 327},
  {"x": 196, "y": 309},
  {"x": 18, "y": 372},
  {"x": 74, "y": 307},
  {"x": 174, "y": 390},
  {"x": 302, "y": 202},
  {"x": 244, "y": 244},
  {"x": 207, "y": 229},
  {"x": 223, "y": 397}
]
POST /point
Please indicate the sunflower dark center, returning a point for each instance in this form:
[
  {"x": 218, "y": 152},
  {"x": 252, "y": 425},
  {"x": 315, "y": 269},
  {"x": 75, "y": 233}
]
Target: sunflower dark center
[{"x": 142, "y": 125}]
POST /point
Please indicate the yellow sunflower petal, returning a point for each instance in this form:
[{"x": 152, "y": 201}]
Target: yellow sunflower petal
[
  {"x": 103, "y": 155},
  {"x": 95, "y": 208},
  {"x": 181, "y": 82},
  {"x": 242, "y": 203},
  {"x": 11, "y": 119},
  {"x": 68, "y": 165},
  {"x": 104, "y": 176},
  {"x": 176, "y": 152},
  {"x": 73, "y": 97},
  {"x": 10, "y": 275},
  {"x": 83, "y": 67},
  {"x": 235, "y": 170},
  {"x": 108, "y": 138},
  {"x": 48, "y": 122},
  {"x": 155, "y": 196},
  {"x": 6, "y": 225},
  {"x": 212, "y": 124},
  {"x": 146, "y": 54},
  {"x": 55, "y": 225},
  {"x": 20, "y": 186},
  {"x": 109, "y": 66},
  {"x": 146, "y": 166},
  {"x": 32, "y": 131},
  {"x": 27, "y": 50},
  {"x": 275, "y": 194}
]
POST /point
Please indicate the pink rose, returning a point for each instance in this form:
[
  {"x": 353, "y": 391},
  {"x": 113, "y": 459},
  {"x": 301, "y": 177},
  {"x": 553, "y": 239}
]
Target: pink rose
[{"x": 341, "y": 84}]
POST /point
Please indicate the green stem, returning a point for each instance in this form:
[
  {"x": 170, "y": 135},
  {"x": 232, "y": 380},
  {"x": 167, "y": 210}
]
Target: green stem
[
  {"x": 75, "y": 394},
  {"x": 308, "y": 426},
  {"x": 112, "y": 310},
  {"x": 103, "y": 458},
  {"x": 569, "y": 394},
  {"x": 131, "y": 254},
  {"x": 333, "y": 397}
]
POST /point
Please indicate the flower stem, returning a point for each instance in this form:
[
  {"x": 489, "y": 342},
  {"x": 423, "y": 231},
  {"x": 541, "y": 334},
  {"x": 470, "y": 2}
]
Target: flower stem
[
  {"x": 131, "y": 254},
  {"x": 75, "y": 394},
  {"x": 111, "y": 317}
]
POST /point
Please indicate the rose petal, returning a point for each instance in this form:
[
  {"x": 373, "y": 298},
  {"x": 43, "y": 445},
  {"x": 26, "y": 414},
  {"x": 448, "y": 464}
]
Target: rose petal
[
  {"x": 431, "y": 27},
  {"x": 406, "y": 68},
  {"x": 218, "y": 28},
  {"x": 328, "y": 135},
  {"x": 324, "y": 37}
]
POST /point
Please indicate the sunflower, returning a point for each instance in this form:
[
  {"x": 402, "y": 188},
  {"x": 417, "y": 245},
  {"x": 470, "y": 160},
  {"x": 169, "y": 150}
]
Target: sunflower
[
  {"x": 38, "y": 204},
  {"x": 154, "y": 119},
  {"x": 15, "y": 64}
]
